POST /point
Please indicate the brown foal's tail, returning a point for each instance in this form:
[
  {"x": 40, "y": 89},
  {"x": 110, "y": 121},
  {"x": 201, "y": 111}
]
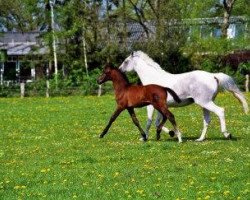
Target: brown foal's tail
[{"x": 174, "y": 95}]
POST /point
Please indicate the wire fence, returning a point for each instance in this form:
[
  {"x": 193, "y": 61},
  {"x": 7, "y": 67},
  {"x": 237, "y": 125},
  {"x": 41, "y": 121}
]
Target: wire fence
[{"x": 24, "y": 90}]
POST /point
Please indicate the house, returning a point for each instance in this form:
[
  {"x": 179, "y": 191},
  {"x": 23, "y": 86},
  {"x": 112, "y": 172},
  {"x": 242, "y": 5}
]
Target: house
[{"x": 23, "y": 56}]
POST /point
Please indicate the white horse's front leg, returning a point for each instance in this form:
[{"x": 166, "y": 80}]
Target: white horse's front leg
[
  {"x": 150, "y": 112},
  {"x": 206, "y": 122},
  {"x": 158, "y": 120}
]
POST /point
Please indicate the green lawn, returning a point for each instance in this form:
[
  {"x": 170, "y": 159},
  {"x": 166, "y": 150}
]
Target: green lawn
[{"x": 49, "y": 149}]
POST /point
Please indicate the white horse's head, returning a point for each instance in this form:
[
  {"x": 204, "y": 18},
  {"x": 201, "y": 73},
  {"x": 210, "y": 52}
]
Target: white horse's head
[
  {"x": 138, "y": 60},
  {"x": 129, "y": 63}
]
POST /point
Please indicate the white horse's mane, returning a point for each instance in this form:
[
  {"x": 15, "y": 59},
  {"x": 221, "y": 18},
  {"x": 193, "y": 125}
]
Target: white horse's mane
[{"x": 149, "y": 61}]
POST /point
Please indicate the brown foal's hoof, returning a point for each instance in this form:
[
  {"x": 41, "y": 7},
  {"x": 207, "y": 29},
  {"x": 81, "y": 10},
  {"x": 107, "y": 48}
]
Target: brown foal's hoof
[
  {"x": 100, "y": 136},
  {"x": 171, "y": 133},
  {"x": 229, "y": 137}
]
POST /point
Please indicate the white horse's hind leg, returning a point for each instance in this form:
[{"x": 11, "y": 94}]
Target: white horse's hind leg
[
  {"x": 158, "y": 120},
  {"x": 220, "y": 113},
  {"x": 206, "y": 121},
  {"x": 178, "y": 134},
  {"x": 150, "y": 112},
  {"x": 242, "y": 99}
]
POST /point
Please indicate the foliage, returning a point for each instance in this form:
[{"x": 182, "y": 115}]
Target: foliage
[
  {"x": 50, "y": 149},
  {"x": 3, "y": 56},
  {"x": 10, "y": 90},
  {"x": 244, "y": 68}
]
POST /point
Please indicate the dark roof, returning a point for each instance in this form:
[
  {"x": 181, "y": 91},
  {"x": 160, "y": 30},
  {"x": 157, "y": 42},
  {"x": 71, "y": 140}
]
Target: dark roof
[{"x": 16, "y": 43}]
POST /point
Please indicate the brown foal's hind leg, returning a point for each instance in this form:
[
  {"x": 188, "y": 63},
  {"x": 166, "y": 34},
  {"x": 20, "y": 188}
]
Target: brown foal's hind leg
[
  {"x": 112, "y": 119},
  {"x": 159, "y": 128},
  {"x": 171, "y": 118},
  {"x": 136, "y": 122},
  {"x": 161, "y": 107}
]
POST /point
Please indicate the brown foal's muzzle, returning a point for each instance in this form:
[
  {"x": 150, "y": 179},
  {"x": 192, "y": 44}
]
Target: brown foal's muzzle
[{"x": 101, "y": 79}]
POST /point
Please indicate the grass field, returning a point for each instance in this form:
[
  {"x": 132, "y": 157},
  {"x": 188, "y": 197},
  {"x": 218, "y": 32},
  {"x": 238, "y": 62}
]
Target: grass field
[{"x": 49, "y": 149}]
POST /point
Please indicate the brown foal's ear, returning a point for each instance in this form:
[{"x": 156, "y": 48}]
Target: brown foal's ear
[{"x": 110, "y": 65}]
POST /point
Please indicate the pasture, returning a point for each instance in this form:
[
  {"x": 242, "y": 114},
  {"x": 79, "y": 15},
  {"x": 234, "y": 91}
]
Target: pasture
[{"x": 49, "y": 149}]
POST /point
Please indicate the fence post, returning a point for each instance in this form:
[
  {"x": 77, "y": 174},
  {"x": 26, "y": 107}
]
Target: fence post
[
  {"x": 100, "y": 90},
  {"x": 247, "y": 83},
  {"x": 22, "y": 88},
  {"x": 47, "y": 81},
  {"x": 47, "y": 88}
]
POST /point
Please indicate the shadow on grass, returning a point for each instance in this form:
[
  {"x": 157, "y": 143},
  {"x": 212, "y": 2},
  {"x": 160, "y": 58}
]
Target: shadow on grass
[{"x": 192, "y": 139}]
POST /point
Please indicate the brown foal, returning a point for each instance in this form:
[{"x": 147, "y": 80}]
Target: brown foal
[{"x": 130, "y": 96}]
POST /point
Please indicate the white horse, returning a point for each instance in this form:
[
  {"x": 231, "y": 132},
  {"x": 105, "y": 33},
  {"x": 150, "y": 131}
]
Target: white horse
[{"x": 198, "y": 87}]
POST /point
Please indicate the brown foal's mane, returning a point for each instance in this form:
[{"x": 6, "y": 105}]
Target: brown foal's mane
[{"x": 123, "y": 75}]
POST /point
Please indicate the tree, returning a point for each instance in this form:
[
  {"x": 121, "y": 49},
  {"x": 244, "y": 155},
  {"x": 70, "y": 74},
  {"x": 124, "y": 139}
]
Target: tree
[
  {"x": 228, "y": 7},
  {"x": 20, "y": 15}
]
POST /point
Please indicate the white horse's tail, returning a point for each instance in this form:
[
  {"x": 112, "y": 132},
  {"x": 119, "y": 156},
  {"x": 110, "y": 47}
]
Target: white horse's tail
[{"x": 228, "y": 84}]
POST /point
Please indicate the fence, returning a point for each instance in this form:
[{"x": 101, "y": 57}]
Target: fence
[{"x": 27, "y": 90}]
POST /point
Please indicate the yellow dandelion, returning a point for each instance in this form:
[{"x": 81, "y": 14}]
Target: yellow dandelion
[
  {"x": 45, "y": 170},
  {"x": 16, "y": 187},
  {"x": 226, "y": 193},
  {"x": 19, "y": 187},
  {"x": 100, "y": 175},
  {"x": 207, "y": 197},
  {"x": 116, "y": 174},
  {"x": 140, "y": 191}
]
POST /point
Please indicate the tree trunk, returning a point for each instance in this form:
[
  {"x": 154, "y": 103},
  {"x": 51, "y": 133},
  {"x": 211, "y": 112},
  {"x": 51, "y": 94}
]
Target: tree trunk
[
  {"x": 228, "y": 6},
  {"x": 85, "y": 53},
  {"x": 141, "y": 17},
  {"x": 54, "y": 41},
  {"x": 124, "y": 23}
]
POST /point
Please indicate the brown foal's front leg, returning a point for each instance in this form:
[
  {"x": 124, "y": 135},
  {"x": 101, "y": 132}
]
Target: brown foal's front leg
[
  {"x": 136, "y": 122},
  {"x": 112, "y": 119}
]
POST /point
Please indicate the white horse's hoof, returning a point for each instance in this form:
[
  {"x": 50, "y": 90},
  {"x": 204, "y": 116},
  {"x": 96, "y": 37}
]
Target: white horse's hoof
[
  {"x": 143, "y": 139},
  {"x": 200, "y": 139},
  {"x": 228, "y": 135}
]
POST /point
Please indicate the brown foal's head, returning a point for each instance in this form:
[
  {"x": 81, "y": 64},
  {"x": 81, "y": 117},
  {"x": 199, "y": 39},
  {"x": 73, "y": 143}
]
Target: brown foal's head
[{"x": 106, "y": 75}]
